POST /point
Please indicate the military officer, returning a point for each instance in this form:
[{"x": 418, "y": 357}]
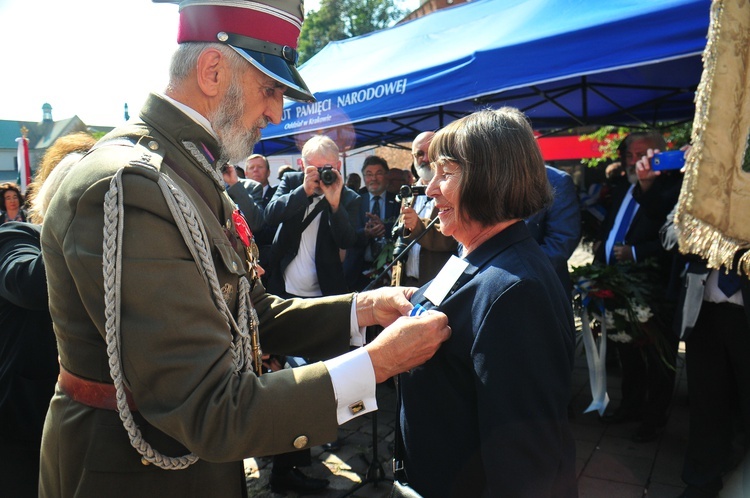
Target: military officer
[{"x": 154, "y": 293}]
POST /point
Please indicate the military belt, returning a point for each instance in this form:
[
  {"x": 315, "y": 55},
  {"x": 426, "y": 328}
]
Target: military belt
[{"x": 91, "y": 393}]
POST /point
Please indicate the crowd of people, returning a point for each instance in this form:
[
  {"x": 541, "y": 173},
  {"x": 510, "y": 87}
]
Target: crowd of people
[{"x": 181, "y": 313}]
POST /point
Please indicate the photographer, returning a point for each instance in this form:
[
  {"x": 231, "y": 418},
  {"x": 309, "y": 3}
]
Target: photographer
[{"x": 317, "y": 214}]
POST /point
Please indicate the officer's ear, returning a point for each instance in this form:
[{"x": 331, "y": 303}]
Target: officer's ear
[{"x": 212, "y": 70}]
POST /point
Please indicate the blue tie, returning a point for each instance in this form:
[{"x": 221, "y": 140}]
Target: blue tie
[
  {"x": 729, "y": 283},
  {"x": 622, "y": 229}
]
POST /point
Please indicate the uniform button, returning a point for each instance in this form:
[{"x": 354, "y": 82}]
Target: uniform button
[
  {"x": 153, "y": 145},
  {"x": 300, "y": 442},
  {"x": 234, "y": 265}
]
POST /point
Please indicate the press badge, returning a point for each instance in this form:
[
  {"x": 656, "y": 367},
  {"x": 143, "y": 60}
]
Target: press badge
[{"x": 445, "y": 280}]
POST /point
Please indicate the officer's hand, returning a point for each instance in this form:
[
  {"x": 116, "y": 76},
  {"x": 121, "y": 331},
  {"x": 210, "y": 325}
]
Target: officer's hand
[
  {"x": 384, "y": 305},
  {"x": 407, "y": 343}
]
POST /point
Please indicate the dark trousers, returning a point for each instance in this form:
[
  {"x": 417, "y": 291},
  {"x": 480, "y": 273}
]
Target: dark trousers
[
  {"x": 648, "y": 379},
  {"x": 718, "y": 373}
]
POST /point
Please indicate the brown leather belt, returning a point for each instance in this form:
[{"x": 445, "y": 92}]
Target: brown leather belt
[{"x": 91, "y": 393}]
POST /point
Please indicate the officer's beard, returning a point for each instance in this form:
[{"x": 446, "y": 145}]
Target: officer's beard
[{"x": 236, "y": 142}]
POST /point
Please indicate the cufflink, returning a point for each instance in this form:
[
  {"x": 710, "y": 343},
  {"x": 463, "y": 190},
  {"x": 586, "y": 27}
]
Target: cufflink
[
  {"x": 357, "y": 407},
  {"x": 300, "y": 442}
]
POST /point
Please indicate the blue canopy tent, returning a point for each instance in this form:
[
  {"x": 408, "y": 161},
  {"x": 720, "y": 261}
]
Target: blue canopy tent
[{"x": 565, "y": 63}]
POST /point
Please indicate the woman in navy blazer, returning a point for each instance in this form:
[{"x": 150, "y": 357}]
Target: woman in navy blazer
[{"x": 487, "y": 415}]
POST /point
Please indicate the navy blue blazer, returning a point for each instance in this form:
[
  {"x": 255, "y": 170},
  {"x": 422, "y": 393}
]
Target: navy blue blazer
[
  {"x": 487, "y": 415},
  {"x": 336, "y": 231},
  {"x": 557, "y": 229}
]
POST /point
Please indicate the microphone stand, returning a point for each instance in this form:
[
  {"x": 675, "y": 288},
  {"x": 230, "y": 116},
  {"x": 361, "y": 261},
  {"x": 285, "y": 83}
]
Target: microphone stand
[
  {"x": 375, "y": 472},
  {"x": 401, "y": 255}
]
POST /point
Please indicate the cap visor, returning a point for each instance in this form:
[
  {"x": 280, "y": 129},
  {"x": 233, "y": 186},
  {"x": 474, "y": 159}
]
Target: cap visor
[{"x": 277, "y": 68}]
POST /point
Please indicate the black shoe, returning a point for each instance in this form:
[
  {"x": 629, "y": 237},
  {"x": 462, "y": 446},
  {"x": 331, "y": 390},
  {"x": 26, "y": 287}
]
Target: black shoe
[
  {"x": 646, "y": 433},
  {"x": 294, "y": 480}
]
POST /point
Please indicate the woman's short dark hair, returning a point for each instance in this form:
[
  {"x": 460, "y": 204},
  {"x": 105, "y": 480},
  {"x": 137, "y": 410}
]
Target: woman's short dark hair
[
  {"x": 10, "y": 187},
  {"x": 502, "y": 170}
]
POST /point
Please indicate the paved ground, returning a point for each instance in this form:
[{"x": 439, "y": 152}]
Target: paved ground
[{"x": 609, "y": 464}]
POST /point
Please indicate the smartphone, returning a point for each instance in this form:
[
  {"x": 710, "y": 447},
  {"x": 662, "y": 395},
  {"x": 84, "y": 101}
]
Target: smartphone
[{"x": 671, "y": 159}]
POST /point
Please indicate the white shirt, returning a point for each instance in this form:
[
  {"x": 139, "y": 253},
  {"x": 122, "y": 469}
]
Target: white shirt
[
  {"x": 301, "y": 276},
  {"x": 713, "y": 294},
  {"x": 423, "y": 205}
]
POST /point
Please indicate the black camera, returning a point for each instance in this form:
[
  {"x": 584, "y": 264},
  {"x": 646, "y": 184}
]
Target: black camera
[
  {"x": 407, "y": 191},
  {"x": 327, "y": 175}
]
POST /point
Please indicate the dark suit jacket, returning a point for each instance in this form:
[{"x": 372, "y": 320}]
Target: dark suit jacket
[
  {"x": 264, "y": 236},
  {"x": 557, "y": 229},
  {"x": 28, "y": 352},
  {"x": 28, "y": 357},
  {"x": 354, "y": 263},
  {"x": 487, "y": 415},
  {"x": 336, "y": 231},
  {"x": 643, "y": 233},
  {"x": 248, "y": 194},
  {"x": 267, "y": 195}
]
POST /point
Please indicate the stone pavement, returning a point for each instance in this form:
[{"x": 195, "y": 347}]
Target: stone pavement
[{"x": 608, "y": 463}]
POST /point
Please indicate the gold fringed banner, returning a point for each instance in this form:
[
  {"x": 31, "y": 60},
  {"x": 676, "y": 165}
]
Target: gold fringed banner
[{"x": 713, "y": 212}]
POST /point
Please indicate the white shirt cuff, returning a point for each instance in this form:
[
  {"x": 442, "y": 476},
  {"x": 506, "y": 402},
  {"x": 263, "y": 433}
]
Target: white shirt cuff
[
  {"x": 356, "y": 333},
  {"x": 353, "y": 379}
]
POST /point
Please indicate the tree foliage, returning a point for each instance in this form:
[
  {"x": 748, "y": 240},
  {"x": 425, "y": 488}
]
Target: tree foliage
[
  {"x": 609, "y": 137},
  {"x": 341, "y": 19}
]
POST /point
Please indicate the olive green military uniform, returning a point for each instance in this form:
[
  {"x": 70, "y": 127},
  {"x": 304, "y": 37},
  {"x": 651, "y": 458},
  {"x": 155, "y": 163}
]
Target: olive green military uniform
[{"x": 175, "y": 345}]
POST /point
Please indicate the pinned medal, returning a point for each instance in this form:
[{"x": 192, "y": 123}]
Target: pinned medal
[{"x": 248, "y": 241}]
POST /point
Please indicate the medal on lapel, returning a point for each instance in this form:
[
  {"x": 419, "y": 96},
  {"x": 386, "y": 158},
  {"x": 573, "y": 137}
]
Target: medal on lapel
[{"x": 248, "y": 241}]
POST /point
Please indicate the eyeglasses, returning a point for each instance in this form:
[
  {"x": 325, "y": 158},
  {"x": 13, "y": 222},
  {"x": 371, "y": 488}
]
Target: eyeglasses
[
  {"x": 373, "y": 175},
  {"x": 419, "y": 155}
]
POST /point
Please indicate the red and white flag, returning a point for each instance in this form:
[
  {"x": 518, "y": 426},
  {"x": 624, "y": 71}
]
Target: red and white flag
[{"x": 24, "y": 165}]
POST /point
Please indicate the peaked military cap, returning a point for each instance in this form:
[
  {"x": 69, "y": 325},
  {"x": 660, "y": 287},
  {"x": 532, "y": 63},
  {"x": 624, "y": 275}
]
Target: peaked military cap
[{"x": 263, "y": 32}]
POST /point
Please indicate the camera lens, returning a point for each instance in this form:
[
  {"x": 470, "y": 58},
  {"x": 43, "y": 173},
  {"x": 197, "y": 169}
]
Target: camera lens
[{"x": 327, "y": 176}]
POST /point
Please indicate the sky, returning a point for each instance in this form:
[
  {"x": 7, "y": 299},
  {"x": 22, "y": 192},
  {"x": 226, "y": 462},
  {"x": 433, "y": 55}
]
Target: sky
[{"x": 86, "y": 57}]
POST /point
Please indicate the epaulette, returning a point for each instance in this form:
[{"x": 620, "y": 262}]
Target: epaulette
[{"x": 146, "y": 151}]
